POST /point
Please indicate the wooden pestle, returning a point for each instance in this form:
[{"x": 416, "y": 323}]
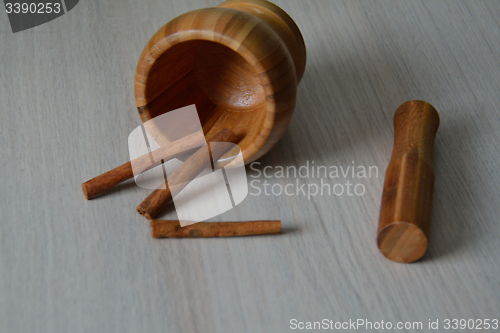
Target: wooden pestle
[
  {"x": 173, "y": 229},
  {"x": 405, "y": 214},
  {"x": 107, "y": 180},
  {"x": 196, "y": 163}
]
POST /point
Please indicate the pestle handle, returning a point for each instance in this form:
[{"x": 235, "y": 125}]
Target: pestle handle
[{"x": 405, "y": 213}]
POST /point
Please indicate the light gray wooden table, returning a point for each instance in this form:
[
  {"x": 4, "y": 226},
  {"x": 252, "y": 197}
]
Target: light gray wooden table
[{"x": 67, "y": 107}]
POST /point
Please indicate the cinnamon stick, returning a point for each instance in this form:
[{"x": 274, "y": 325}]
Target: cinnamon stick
[
  {"x": 107, "y": 180},
  {"x": 173, "y": 229},
  {"x": 193, "y": 166}
]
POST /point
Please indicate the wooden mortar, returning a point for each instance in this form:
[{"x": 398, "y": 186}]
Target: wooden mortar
[{"x": 239, "y": 63}]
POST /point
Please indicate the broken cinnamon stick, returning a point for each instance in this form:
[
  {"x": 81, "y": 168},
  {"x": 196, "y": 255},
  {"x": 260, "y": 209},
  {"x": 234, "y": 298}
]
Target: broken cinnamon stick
[
  {"x": 173, "y": 229},
  {"x": 193, "y": 166},
  {"x": 107, "y": 180}
]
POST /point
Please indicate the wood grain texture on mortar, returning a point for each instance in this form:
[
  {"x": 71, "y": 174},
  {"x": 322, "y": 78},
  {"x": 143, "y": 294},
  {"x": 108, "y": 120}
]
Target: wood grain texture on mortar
[{"x": 239, "y": 63}]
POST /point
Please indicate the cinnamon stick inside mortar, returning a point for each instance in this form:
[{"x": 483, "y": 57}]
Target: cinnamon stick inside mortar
[
  {"x": 107, "y": 180},
  {"x": 193, "y": 166},
  {"x": 173, "y": 229}
]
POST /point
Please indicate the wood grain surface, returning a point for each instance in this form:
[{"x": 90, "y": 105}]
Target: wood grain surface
[{"x": 67, "y": 108}]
